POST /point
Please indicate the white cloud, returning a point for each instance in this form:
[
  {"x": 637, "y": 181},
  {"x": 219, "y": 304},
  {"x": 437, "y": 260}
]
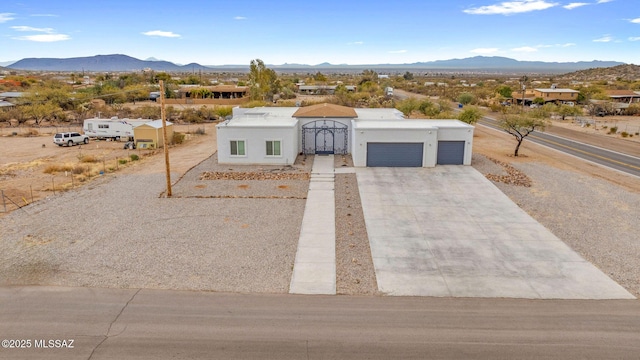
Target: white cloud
[
  {"x": 603, "y": 1},
  {"x": 4, "y": 17},
  {"x": 606, "y": 38},
  {"x": 397, "y": 51},
  {"x": 634, "y": 38},
  {"x": 32, "y": 29},
  {"x": 511, "y": 7},
  {"x": 484, "y": 50},
  {"x": 567, "y": 45},
  {"x": 356, "y": 43},
  {"x": 44, "y": 37},
  {"x": 525, "y": 49},
  {"x": 635, "y": 21},
  {"x": 572, "y": 6},
  {"x": 161, "y": 33},
  {"x": 240, "y": 18}
]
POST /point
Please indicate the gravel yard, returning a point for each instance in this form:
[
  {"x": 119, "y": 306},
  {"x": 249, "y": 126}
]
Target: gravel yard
[
  {"x": 118, "y": 232},
  {"x": 241, "y": 235},
  {"x": 597, "y": 219}
]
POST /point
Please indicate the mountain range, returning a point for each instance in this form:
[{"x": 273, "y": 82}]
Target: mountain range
[{"x": 121, "y": 63}]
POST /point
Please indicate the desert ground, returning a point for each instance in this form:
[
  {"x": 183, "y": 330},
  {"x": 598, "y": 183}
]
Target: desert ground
[
  {"x": 592, "y": 209},
  {"x": 32, "y": 167}
]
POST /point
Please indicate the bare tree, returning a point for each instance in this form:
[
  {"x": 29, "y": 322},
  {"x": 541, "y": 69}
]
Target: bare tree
[{"x": 520, "y": 125}]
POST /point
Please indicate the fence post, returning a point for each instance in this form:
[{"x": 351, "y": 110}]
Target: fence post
[{"x": 4, "y": 204}]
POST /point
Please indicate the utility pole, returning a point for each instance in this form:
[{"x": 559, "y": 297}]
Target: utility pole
[
  {"x": 165, "y": 138},
  {"x": 524, "y": 87}
]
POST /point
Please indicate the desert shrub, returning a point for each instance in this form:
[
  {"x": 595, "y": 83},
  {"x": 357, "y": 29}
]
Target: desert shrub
[
  {"x": 122, "y": 161},
  {"x": 466, "y": 98},
  {"x": 200, "y": 131},
  {"x": 604, "y": 126},
  {"x": 178, "y": 138},
  {"x": 613, "y": 130},
  {"x": 79, "y": 169},
  {"x": 31, "y": 132},
  {"x": 224, "y": 111},
  {"x": 587, "y": 125},
  {"x": 88, "y": 159},
  {"x": 624, "y": 134},
  {"x": 255, "y": 103},
  {"x": 56, "y": 168},
  {"x": 637, "y": 133},
  {"x": 134, "y": 157}
]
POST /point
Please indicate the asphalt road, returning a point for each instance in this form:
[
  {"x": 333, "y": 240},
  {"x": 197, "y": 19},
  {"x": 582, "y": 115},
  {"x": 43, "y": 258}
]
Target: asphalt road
[
  {"x": 615, "y": 160},
  {"x": 158, "y": 324}
]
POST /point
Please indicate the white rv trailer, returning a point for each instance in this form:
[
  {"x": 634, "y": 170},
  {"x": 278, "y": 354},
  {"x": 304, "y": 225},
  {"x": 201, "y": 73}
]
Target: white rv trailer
[{"x": 114, "y": 128}]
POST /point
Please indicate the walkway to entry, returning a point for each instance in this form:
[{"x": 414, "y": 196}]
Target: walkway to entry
[{"x": 314, "y": 270}]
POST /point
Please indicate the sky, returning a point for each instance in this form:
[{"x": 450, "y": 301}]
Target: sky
[{"x": 216, "y": 32}]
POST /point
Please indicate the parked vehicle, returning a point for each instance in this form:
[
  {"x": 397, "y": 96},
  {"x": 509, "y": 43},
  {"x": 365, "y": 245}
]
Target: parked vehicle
[
  {"x": 114, "y": 128},
  {"x": 388, "y": 91},
  {"x": 70, "y": 138}
]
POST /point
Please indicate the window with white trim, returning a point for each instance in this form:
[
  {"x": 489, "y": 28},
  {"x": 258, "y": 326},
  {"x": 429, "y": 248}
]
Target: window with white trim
[
  {"x": 273, "y": 148},
  {"x": 238, "y": 148}
]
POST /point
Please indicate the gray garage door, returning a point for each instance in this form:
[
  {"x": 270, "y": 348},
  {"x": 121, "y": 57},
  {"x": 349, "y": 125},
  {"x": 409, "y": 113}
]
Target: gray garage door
[
  {"x": 394, "y": 154},
  {"x": 450, "y": 152}
]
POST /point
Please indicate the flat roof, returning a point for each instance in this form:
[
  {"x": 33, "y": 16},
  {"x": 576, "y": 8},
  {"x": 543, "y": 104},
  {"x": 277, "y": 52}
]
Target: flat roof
[
  {"x": 557, "y": 90},
  {"x": 270, "y": 111},
  {"x": 410, "y": 124},
  {"x": 259, "y": 122},
  {"x": 379, "y": 114},
  {"x": 156, "y": 124}
]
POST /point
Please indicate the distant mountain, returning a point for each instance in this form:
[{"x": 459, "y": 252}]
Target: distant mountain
[
  {"x": 6, "y": 63},
  {"x": 628, "y": 72},
  {"x": 100, "y": 63},
  {"x": 502, "y": 63},
  {"x": 492, "y": 64}
]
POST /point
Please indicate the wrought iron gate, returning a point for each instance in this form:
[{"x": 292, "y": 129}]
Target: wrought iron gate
[{"x": 325, "y": 137}]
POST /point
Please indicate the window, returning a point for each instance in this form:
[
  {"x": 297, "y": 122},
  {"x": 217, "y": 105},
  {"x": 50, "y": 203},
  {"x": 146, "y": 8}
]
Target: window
[
  {"x": 237, "y": 148},
  {"x": 273, "y": 148},
  {"x": 103, "y": 126}
]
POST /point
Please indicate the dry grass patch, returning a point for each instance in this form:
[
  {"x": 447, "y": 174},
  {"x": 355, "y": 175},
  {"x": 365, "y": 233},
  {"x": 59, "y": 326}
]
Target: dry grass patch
[
  {"x": 57, "y": 168},
  {"x": 88, "y": 159}
]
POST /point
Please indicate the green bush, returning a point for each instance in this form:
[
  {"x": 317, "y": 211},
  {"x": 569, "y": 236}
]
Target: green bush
[
  {"x": 178, "y": 138},
  {"x": 613, "y": 130},
  {"x": 134, "y": 157},
  {"x": 624, "y": 134},
  {"x": 122, "y": 161}
]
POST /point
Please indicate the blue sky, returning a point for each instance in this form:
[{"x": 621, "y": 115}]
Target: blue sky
[{"x": 313, "y": 32}]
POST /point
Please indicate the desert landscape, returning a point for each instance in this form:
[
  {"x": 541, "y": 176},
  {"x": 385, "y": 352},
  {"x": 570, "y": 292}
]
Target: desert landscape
[{"x": 590, "y": 208}]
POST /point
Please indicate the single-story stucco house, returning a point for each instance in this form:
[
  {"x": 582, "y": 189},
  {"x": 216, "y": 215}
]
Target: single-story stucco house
[{"x": 373, "y": 137}]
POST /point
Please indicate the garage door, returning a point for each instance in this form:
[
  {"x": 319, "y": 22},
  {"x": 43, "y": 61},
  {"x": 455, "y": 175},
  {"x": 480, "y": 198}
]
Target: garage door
[
  {"x": 394, "y": 154},
  {"x": 450, "y": 152}
]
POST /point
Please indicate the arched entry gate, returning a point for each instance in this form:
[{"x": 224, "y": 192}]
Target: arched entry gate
[{"x": 325, "y": 137}]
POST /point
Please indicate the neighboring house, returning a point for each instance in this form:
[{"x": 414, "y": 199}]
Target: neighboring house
[
  {"x": 374, "y": 137},
  {"x": 6, "y": 104},
  {"x": 150, "y": 136},
  {"x": 321, "y": 89},
  {"x": 9, "y": 99},
  {"x": 556, "y": 95},
  {"x": 624, "y": 96},
  {"x": 215, "y": 95}
]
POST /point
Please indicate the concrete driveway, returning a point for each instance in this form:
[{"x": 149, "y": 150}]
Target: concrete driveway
[{"x": 448, "y": 231}]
